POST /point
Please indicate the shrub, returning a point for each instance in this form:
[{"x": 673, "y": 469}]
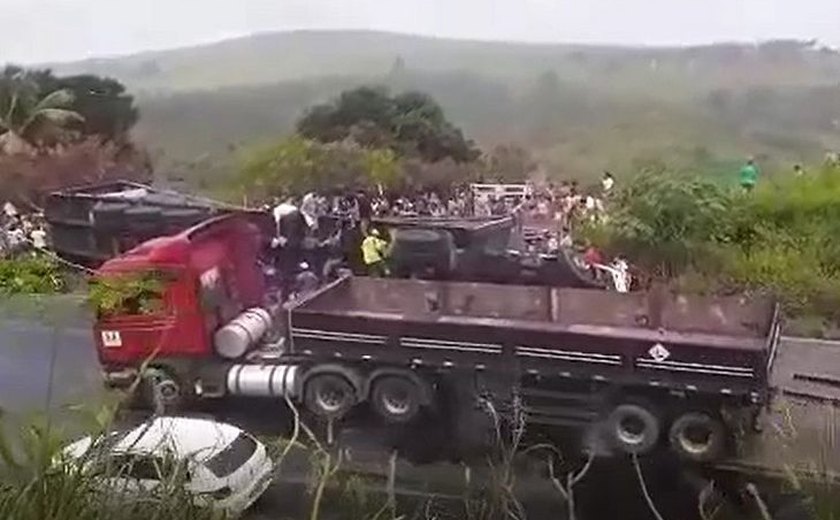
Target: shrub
[
  {"x": 298, "y": 165},
  {"x": 663, "y": 221},
  {"x": 783, "y": 239},
  {"x": 30, "y": 275}
]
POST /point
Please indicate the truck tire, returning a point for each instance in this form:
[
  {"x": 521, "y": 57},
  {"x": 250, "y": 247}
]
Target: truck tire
[
  {"x": 329, "y": 396},
  {"x": 633, "y": 428},
  {"x": 396, "y": 399},
  {"x": 417, "y": 250},
  {"x": 697, "y": 436},
  {"x": 163, "y": 394}
]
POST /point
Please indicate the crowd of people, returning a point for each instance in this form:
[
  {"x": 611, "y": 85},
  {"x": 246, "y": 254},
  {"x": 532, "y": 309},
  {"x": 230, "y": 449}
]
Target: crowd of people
[
  {"x": 20, "y": 232},
  {"x": 360, "y": 205},
  {"x": 563, "y": 203},
  {"x": 553, "y": 210}
]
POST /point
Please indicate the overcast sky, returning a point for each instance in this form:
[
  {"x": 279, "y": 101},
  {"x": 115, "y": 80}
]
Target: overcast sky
[{"x": 50, "y": 30}]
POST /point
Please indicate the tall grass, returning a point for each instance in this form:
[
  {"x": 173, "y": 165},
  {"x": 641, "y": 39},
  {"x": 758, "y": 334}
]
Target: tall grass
[{"x": 38, "y": 482}]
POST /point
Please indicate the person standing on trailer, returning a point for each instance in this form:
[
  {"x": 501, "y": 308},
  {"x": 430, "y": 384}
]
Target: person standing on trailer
[
  {"x": 291, "y": 230},
  {"x": 607, "y": 182},
  {"x": 374, "y": 252},
  {"x": 363, "y": 203}
]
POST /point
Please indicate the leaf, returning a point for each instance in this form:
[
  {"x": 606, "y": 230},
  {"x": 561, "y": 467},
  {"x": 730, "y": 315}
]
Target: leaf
[
  {"x": 59, "y": 116},
  {"x": 61, "y": 98}
]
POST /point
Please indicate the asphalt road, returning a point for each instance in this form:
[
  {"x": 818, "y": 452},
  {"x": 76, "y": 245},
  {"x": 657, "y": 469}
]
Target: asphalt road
[{"x": 47, "y": 358}]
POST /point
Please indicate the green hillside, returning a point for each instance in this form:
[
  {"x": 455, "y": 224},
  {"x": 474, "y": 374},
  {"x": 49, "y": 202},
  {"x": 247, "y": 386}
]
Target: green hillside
[
  {"x": 275, "y": 57},
  {"x": 579, "y": 108}
]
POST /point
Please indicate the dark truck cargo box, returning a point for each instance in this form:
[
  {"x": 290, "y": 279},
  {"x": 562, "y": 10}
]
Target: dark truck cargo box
[
  {"x": 689, "y": 343},
  {"x": 96, "y": 222}
]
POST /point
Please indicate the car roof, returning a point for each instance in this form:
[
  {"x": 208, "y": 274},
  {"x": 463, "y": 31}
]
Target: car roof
[{"x": 183, "y": 437}]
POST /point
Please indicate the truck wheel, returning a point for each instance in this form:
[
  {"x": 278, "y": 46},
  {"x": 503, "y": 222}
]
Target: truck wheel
[
  {"x": 395, "y": 399},
  {"x": 633, "y": 428},
  {"x": 697, "y": 436},
  {"x": 329, "y": 396},
  {"x": 164, "y": 394}
]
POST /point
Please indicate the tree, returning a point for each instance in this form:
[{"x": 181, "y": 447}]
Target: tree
[
  {"x": 382, "y": 167},
  {"x": 510, "y": 162},
  {"x": 108, "y": 111},
  {"x": 663, "y": 221},
  {"x": 26, "y": 179},
  {"x": 297, "y": 165},
  {"x": 28, "y": 116},
  {"x": 398, "y": 67},
  {"x": 411, "y": 124}
]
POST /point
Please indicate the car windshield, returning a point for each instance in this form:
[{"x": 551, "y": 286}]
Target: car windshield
[
  {"x": 137, "y": 467},
  {"x": 233, "y": 456},
  {"x": 143, "y": 467}
]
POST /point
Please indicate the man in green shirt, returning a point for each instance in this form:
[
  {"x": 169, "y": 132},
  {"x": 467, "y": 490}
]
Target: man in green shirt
[{"x": 748, "y": 176}]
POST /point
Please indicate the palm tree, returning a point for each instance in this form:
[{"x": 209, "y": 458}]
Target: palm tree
[{"x": 26, "y": 116}]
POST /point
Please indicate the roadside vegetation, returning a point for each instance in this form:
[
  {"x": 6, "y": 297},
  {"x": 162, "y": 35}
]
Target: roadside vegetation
[
  {"x": 33, "y": 274},
  {"x": 783, "y": 239}
]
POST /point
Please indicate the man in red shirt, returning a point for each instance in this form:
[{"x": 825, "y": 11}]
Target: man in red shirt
[{"x": 593, "y": 256}]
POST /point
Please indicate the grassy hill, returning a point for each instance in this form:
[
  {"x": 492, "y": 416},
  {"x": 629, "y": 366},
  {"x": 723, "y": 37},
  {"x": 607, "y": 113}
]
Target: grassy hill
[
  {"x": 579, "y": 108},
  {"x": 275, "y": 57}
]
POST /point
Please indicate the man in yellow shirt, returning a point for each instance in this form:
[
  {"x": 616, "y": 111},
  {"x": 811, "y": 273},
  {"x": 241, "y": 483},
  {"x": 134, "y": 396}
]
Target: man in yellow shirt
[{"x": 374, "y": 251}]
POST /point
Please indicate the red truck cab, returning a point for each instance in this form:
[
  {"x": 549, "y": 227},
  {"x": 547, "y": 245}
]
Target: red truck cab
[{"x": 208, "y": 274}]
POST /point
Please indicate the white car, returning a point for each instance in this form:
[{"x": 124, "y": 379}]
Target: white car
[{"x": 226, "y": 468}]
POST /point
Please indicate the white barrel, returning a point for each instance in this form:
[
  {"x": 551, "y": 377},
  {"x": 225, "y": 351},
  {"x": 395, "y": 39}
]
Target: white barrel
[
  {"x": 242, "y": 333},
  {"x": 262, "y": 380}
]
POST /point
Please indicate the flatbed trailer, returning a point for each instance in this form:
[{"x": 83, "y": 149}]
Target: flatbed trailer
[{"x": 573, "y": 356}]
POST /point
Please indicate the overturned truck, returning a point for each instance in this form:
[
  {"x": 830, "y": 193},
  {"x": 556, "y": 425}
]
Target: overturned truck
[
  {"x": 647, "y": 369},
  {"x": 479, "y": 249}
]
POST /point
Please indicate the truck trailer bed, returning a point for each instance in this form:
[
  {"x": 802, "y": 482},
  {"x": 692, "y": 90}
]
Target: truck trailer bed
[{"x": 694, "y": 343}]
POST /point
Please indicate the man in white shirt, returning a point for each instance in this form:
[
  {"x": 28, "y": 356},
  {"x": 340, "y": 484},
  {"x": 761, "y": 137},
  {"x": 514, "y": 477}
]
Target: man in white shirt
[
  {"x": 607, "y": 182},
  {"x": 16, "y": 237},
  {"x": 39, "y": 237},
  {"x": 10, "y": 210},
  {"x": 291, "y": 231}
]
